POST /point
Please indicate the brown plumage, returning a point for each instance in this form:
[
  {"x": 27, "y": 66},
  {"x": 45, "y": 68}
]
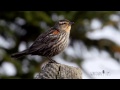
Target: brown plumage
[{"x": 50, "y": 43}]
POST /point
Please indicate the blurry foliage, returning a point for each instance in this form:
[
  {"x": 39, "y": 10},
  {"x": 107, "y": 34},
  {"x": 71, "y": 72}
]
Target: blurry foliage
[{"x": 36, "y": 22}]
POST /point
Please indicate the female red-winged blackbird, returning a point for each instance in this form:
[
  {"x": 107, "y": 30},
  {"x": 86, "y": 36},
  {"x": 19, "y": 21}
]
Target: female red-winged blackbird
[{"x": 50, "y": 43}]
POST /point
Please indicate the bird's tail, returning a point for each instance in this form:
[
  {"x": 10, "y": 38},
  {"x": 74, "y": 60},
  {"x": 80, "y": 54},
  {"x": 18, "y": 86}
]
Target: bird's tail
[{"x": 19, "y": 54}]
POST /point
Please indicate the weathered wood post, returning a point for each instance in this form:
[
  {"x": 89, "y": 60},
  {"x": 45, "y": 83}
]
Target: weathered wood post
[{"x": 59, "y": 71}]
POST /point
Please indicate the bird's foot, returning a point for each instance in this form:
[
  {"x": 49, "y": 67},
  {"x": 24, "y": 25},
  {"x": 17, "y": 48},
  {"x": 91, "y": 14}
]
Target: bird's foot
[{"x": 53, "y": 61}]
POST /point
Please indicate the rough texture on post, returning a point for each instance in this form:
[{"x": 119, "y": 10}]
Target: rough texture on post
[{"x": 59, "y": 71}]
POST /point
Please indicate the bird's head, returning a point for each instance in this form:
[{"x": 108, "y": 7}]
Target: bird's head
[{"x": 63, "y": 25}]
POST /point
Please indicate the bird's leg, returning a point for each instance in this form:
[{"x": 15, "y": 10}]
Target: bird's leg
[{"x": 51, "y": 60}]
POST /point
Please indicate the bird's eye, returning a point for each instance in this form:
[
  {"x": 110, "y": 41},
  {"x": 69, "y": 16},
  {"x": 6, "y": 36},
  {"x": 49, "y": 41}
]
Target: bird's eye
[
  {"x": 64, "y": 23},
  {"x": 61, "y": 23}
]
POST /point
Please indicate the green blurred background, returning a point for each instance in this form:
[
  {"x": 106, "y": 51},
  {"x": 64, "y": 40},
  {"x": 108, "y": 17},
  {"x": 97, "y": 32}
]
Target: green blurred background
[{"x": 18, "y": 30}]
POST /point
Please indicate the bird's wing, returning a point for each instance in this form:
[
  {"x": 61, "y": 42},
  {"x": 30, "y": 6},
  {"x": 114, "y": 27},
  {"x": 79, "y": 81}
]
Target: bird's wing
[{"x": 45, "y": 40}]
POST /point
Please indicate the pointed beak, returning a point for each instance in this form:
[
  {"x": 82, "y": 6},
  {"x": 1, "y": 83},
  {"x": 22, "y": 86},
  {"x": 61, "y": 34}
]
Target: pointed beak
[{"x": 71, "y": 23}]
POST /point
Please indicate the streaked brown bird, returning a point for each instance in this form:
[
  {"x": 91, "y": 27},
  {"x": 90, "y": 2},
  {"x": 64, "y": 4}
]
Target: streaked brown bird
[{"x": 50, "y": 43}]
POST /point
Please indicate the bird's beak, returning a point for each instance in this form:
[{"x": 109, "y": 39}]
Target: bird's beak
[{"x": 71, "y": 23}]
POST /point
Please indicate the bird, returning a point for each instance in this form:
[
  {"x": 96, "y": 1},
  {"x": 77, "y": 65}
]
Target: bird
[{"x": 50, "y": 43}]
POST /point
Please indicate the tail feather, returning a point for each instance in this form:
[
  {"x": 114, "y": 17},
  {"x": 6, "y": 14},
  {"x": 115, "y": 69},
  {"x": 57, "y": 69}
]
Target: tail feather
[{"x": 19, "y": 54}]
